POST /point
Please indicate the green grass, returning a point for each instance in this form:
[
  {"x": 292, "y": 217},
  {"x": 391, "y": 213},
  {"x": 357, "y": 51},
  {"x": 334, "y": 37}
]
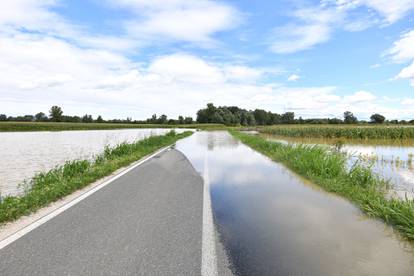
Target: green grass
[
  {"x": 341, "y": 131},
  {"x": 53, "y": 126},
  {"x": 63, "y": 180},
  {"x": 329, "y": 170}
]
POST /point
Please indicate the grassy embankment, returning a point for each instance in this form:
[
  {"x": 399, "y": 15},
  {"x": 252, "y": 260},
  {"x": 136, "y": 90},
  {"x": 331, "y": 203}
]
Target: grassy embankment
[
  {"x": 329, "y": 170},
  {"x": 340, "y": 131},
  {"x": 53, "y": 126},
  {"x": 50, "y": 186}
]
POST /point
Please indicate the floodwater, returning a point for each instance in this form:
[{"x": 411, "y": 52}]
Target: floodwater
[
  {"x": 272, "y": 222},
  {"x": 23, "y": 154},
  {"x": 392, "y": 160}
]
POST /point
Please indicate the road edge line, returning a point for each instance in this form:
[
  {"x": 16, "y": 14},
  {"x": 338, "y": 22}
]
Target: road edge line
[
  {"x": 28, "y": 228},
  {"x": 208, "y": 246}
]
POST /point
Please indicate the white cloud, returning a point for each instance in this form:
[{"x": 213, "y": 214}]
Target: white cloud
[
  {"x": 183, "y": 20},
  {"x": 315, "y": 25},
  {"x": 293, "y": 77},
  {"x": 390, "y": 11},
  {"x": 407, "y": 101},
  {"x": 403, "y": 51}
]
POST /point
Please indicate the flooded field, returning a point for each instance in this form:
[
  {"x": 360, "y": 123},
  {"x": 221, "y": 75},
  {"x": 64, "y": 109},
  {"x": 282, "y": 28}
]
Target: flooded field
[
  {"x": 272, "y": 222},
  {"x": 391, "y": 159},
  {"x": 23, "y": 154}
]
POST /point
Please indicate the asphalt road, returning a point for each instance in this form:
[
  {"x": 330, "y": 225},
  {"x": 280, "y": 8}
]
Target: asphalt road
[{"x": 147, "y": 222}]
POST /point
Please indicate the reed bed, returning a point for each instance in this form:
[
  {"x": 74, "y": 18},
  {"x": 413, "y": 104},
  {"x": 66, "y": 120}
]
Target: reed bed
[
  {"x": 50, "y": 186},
  {"x": 347, "y": 132},
  {"x": 329, "y": 170}
]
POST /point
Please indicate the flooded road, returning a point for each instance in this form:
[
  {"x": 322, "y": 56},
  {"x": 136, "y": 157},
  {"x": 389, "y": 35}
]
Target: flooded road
[
  {"x": 23, "y": 154},
  {"x": 272, "y": 222},
  {"x": 392, "y": 160}
]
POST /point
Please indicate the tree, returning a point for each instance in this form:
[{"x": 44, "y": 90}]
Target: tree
[
  {"x": 3, "y": 117},
  {"x": 55, "y": 114},
  {"x": 377, "y": 118},
  {"x": 188, "y": 120},
  {"x": 180, "y": 120},
  {"x": 288, "y": 118},
  {"x": 163, "y": 119},
  {"x": 87, "y": 118},
  {"x": 349, "y": 118},
  {"x": 40, "y": 117},
  {"x": 99, "y": 119}
]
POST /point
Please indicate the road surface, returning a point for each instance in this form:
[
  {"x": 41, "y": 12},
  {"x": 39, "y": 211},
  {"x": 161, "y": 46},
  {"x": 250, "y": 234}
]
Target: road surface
[{"x": 147, "y": 222}]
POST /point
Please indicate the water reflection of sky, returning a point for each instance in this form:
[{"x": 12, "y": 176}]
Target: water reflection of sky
[
  {"x": 390, "y": 161},
  {"x": 271, "y": 222}
]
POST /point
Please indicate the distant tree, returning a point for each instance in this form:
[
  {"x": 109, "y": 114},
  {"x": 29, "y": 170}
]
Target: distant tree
[
  {"x": 40, "y": 117},
  {"x": 288, "y": 118},
  {"x": 377, "y": 118},
  {"x": 87, "y": 118},
  {"x": 188, "y": 120},
  {"x": 180, "y": 120},
  {"x": 3, "y": 117},
  {"x": 261, "y": 116},
  {"x": 349, "y": 118},
  {"x": 99, "y": 119},
  {"x": 202, "y": 116},
  {"x": 163, "y": 119},
  {"x": 55, "y": 114}
]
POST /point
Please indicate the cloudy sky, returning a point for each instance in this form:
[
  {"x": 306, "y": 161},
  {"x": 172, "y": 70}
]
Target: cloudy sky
[{"x": 133, "y": 58}]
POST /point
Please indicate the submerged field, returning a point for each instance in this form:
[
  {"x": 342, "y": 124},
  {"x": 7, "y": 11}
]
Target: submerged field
[
  {"x": 341, "y": 131},
  {"x": 53, "y": 126},
  {"x": 330, "y": 170}
]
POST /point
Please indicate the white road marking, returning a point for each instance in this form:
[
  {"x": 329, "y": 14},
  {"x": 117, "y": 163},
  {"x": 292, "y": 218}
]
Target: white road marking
[
  {"x": 208, "y": 249},
  {"x": 20, "y": 233}
]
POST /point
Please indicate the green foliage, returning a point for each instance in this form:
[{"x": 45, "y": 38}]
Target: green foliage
[
  {"x": 329, "y": 170},
  {"x": 377, "y": 118},
  {"x": 52, "y": 185},
  {"x": 349, "y": 132},
  {"x": 233, "y": 115},
  {"x": 349, "y": 118},
  {"x": 55, "y": 113}
]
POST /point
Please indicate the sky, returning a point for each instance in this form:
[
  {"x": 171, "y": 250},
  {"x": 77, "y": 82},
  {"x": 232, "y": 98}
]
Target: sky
[{"x": 134, "y": 58}]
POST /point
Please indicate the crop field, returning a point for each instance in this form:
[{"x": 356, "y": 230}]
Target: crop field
[{"x": 341, "y": 131}]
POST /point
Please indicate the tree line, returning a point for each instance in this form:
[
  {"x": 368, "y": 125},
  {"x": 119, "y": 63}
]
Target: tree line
[
  {"x": 227, "y": 115},
  {"x": 56, "y": 115},
  {"x": 233, "y": 115}
]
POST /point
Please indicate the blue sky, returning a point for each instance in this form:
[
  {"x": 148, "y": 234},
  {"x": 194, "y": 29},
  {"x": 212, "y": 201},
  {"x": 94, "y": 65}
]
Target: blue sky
[{"x": 120, "y": 58}]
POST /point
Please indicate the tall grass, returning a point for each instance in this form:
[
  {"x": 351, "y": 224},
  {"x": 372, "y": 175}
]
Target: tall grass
[
  {"x": 329, "y": 170},
  {"x": 351, "y": 132},
  {"x": 52, "y": 185},
  {"x": 53, "y": 126}
]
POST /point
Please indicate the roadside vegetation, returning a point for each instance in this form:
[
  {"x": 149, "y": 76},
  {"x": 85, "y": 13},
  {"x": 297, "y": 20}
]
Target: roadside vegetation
[
  {"x": 341, "y": 131},
  {"x": 329, "y": 170},
  {"x": 50, "y": 186},
  {"x": 61, "y": 126}
]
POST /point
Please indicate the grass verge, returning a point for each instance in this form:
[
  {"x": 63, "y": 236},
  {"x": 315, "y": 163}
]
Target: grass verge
[
  {"x": 63, "y": 180},
  {"x": 329, "y": 170}
]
